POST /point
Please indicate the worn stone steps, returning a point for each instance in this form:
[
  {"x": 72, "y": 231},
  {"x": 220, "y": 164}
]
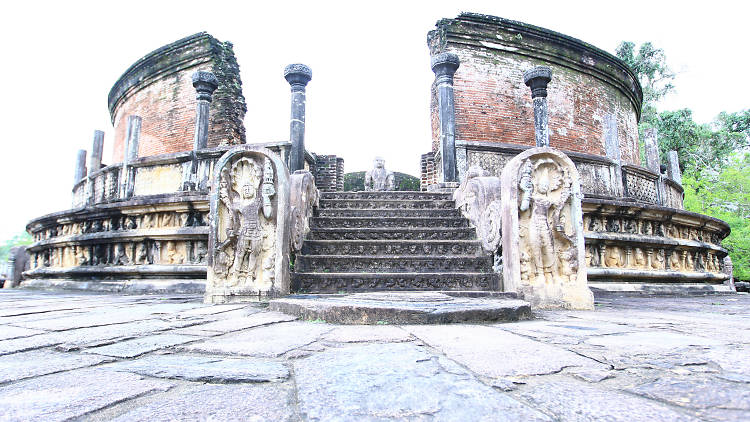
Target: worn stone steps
[
  {"x": 421, "y": 233},
  {"x": 413, "y": 204},
  {"x": 335, "y": 282},
  {"x": 393, "y": 247},
  {"x": 401, "y": 264},
  {"x": 400, "y": 195},
  {"x": 349, "y": 212},
  {"x": 388, "y": 222}
]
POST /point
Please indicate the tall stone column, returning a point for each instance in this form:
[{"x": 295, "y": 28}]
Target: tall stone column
[
  {"x": 651, "y": 144},
  {"x": 205, "y": 83},
  {"x": 96, "y": 152},
  {"x": 537, "y": 79},
  {"x": 132, "y": 138},
  {"x": 444, "y": 65},
  {"x": 80, "y": 172},
  {"x": 673, "y": 167},
  {"x": 298, "y": 75}
]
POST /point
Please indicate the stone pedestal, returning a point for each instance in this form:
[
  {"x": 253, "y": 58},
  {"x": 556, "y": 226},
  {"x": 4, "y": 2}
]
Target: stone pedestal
[
  {"x": 542, "y": 231},
  {"x": 248, "y": 238}
]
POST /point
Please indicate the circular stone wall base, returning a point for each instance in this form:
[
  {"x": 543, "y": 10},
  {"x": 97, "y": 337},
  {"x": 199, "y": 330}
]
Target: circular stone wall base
[{"x": 402, "y": 308}]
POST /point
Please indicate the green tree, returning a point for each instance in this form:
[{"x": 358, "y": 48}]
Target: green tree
[{"x": 20, "y": 239}]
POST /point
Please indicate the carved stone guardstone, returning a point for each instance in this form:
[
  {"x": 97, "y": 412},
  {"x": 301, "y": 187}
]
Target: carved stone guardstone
[
  {"x": 379, "y": 179},
  {"x": 248, "y": 239},
  {"x": 304, "y": 198},
  {"x": 542, "y": 231}
]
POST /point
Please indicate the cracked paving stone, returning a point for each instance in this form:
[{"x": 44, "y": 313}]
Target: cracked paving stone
[
  {"x": 267, "y": 341},
  {"x": 139, "y": 346},
  {"x": 569, "y": 400},
  {"x": 399, "y": 381},
  {"x": 205, "y": 368},
  {"x": 367, "y": 333},
  {"x": 590, "y": 374},
  {"x": 242, "y": 403},
  {"x": 237, "y": 324},
  {"x": 496, "y": 353},
  {"x": 650, "y": 341},
  {"x": 10, "y": 332},
  {"x": 699, "y": 393},
  {"x": 72, "y": 394},
  {"x": 31, "y": 364}
]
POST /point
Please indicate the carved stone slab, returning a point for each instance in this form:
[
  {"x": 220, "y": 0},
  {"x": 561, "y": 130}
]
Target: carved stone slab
[
  {"x": 542, "y": 231},
  {"x": 248, "y": 238}
]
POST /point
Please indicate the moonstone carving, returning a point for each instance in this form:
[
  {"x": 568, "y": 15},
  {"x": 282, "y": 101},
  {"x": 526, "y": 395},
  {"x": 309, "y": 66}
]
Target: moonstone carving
[
  {"x": 542, "y": 228},
  {"x": 379, "y": 178},
  {"x": 248, "y": 249}
]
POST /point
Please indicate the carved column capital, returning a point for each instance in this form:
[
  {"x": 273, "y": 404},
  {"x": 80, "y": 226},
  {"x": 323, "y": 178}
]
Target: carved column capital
[
  {"x": 298, "y": 75},
  {"x": 205, "y": 83},
  {"x": 444, "y": 65},
  {"x": 537, "y": 79}
]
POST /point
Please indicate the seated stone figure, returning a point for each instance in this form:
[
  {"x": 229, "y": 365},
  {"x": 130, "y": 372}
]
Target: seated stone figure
[{"x": 379, "y": 178}]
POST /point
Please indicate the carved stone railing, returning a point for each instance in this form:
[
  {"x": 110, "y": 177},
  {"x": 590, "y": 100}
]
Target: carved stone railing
[
  {"x": 304, "y": 199},
  {"x": 478, "y": 199},
  {"x": 641, "y": 184}
]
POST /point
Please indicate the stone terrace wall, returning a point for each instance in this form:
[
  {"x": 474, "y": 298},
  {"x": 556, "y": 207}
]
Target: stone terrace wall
[
  {"x": 592, "y": 93},
  {"x": 158, "y": 88},
  {"x": 329, "y": 173}
]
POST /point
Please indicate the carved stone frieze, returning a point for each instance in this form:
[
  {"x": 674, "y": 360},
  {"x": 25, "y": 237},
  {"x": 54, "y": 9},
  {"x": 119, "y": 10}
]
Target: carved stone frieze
[
  {"x": 542, "y": 237},
  {"x": 248, "y": 243}
]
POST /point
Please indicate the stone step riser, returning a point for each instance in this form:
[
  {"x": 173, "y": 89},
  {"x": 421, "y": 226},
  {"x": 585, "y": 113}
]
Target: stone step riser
[
  {"x": 372, "y": 204},
  {"x": 370, "y": 234},
  {"x": 396, "y": 264},
  {"x": 336, "y": 283},
  {"x": 444, "y": 213},
  {"x": 385, "y": 222},
  {"x": 391, "y": 248},
  {"x": 387, "y": 195}
]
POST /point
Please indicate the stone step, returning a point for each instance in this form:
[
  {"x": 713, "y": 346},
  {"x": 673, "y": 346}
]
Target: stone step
[
  {"x": 466, "y": 233},
  {"x": 393, "y": 247},
  {"x": 321, "y": 282},
  {"x": 347, "y": 212},
  {"x": 400, "y": 195},
  {"x": 370, "y": 204},
  {"x": 396, "y": 263},
  {"x": 388, "y": 222}
]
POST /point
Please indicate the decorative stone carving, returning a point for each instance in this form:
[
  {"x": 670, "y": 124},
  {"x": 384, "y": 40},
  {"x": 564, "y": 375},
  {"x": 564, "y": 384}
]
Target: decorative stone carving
[
  {"x": 542, "y": 218},
  {"x": 303, "y": 199},
  {"x": 248, "y": 242},
  {"x": 478, "y": 199},
  {"x": 379, "y": 179}
]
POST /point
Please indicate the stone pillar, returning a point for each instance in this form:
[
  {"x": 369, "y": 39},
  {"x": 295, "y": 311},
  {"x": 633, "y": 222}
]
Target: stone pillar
[
  {"x": 205, "y": 83},
  {"x": 11, "y": 276},
  {"x": 673, "y": 167},
  {"x": 298, "y": 75},
  {"x": 80, "y": 172},
  {"x": 729, "y": 270},
  {"x": 132, "y": 137},
  {"x": 612, "y": 149},
  {"x": 444, "y": 65},
  {"x": 651, "y": 144},
  {"x": 537, "y": 79},
  {"x": 95, "y": 163}
]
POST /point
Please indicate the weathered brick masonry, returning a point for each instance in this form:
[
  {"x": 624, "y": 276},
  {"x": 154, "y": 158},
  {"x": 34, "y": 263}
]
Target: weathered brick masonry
[
  {"x": 158, "y": 88},
  {"x": 589, "y": 86},
  {"x": 329, "y": 173}
]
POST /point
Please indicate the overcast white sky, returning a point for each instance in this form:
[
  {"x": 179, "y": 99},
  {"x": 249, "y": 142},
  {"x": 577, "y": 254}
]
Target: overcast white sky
[{"x": 369, "y": 94}]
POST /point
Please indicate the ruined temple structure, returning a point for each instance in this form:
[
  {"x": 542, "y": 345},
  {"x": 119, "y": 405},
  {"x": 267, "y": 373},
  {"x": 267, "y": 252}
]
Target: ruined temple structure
[{"x": 533, "y": 185}]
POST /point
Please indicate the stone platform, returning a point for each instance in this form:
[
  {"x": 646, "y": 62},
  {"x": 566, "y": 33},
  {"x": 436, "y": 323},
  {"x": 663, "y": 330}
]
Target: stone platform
[
  {"x": 99, "y": 357},
  {"x": 405, "y": 307}
]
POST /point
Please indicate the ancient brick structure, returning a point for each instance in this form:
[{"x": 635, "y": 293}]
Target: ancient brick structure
[
  {"x": 159, "y": 89},
  {"x": 428, "y": 175},
  {"x": 329, "y": 173}
]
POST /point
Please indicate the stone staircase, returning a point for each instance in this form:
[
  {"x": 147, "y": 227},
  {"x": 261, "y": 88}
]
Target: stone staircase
[{"x": 370, "y": 241}]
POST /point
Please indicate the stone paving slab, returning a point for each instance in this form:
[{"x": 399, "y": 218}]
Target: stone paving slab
[
  {"x": 633, "y": 358},
  {"x": 73, "y": 394}
]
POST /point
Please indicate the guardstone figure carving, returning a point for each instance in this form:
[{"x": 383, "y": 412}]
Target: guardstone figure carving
[
  {"x": 543, "y": 247},
  {"x": 379, "y": 179},
  {"x": 248, "y": 248}
]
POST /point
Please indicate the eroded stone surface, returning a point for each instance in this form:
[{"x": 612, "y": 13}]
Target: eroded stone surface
[
  {"x": 403, "y": 382},
  {"x": 367, "y": 333},
  {"x": 9, "y": 332},
  {"x": 71, "y": 394},
  {"x": 29, "y": 364},
  {"x": 270, "y": 341},
  {"x": 697, "y": 392},
  {"x": 205, "y": 368},
  {"x": 237, "y": 324},
  {"x": 495, "y": 353},
  {"x": 139, "y": 346}
]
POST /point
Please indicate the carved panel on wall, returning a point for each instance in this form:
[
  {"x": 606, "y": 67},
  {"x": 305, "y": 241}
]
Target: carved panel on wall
[
  {"x": 248, "y": 235},
  {"x": 542, "y": 231}
]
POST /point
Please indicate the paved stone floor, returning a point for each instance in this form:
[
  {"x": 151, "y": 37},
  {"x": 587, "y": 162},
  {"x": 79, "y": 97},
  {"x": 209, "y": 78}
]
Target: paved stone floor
[{"x": 70, "y": 356}]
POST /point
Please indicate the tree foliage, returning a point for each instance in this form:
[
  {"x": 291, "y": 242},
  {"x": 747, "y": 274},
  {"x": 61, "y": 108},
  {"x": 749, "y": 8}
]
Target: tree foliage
[{"x": 20, "y": 239}]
